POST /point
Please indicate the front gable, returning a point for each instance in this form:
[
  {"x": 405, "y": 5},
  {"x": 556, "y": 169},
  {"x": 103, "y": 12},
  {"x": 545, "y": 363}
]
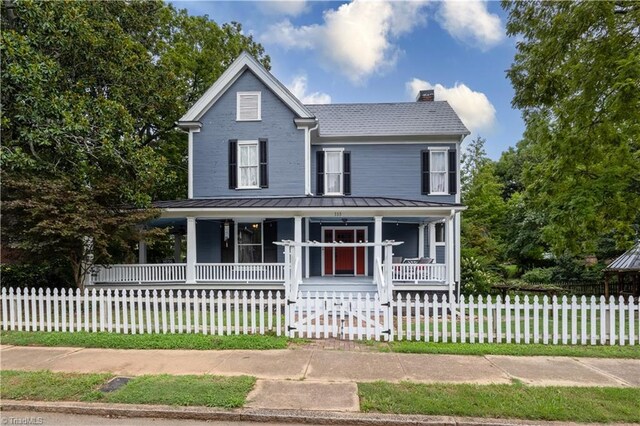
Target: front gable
[
  {"x": 243, "y": 63},
  {"x": 221, "y": 132}
]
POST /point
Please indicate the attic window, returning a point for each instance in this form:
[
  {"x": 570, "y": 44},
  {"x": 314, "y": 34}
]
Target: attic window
[{"x": 248, "y": 106}]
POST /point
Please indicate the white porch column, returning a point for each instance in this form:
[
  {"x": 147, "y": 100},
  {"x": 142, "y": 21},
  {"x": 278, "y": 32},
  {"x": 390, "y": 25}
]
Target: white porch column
[
  {"x": 432, "y": 241},
  {"x": 377, "y": 239},
  {"x": 142, "y": 251},
  {"x": 177, "y": 248},
  {"x": 421, "y": 240},
  {"x": 306, "y": 249},
  {"x": 450, "y": 255},
  {"x": 297, "y": 236},
  {"x": 191, "y": 250}
]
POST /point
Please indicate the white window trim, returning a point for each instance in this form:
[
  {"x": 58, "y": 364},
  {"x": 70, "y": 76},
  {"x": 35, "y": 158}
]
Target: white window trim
[
  {"x": 239, "y": 180},
  {"x": 341, "y": 151},
  {"x": 238, "y": 94},
  {"x": 236, "y": 239},
  {"x": 446, "y": 170}
]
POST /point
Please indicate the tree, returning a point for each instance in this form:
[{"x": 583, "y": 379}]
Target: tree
[
  {"x": 90, "y": 94},
  {"x": 482, "y": 194},
  {"x": 576, "y": 76}
]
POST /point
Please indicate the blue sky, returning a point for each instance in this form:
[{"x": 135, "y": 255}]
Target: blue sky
[{"x": 385, "y": 51}]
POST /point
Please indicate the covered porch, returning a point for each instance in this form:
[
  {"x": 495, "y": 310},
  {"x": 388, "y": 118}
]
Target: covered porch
[{"x": 335, "y": 248}]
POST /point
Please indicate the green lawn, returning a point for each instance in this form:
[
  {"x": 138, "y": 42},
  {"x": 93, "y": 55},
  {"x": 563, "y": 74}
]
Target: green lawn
[
  {"x": 604, "y": 351},
  {"x": 209, "y": 391},
  {"x": 204, "y": 390},
  {"x": 142, "y": 341},
  {"x": 503, "y": 401},
  {"x": 48, "y": 386}
]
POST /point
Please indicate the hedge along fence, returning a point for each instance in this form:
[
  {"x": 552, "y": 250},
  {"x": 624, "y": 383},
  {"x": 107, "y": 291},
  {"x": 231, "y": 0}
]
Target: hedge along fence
[{"x": 586, "y": 321}]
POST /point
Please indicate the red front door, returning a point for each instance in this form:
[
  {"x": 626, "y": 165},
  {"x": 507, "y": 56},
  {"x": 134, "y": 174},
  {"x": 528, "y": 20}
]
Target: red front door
[{"x": 345, "y": 260}]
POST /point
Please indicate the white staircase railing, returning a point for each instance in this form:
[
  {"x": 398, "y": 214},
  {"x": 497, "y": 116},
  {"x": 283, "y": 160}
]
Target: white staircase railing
[{"x": 381, "y": 282}]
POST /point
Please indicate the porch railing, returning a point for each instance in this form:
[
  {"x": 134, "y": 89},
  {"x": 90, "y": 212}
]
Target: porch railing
[
  {"x": 240, "y": 272},
  {"x": 415, "y": 272},
  {"x": 138, "y": 273}
]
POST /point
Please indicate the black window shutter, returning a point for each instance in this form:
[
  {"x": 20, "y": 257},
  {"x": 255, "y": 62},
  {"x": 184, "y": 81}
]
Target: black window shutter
[
  {"x": 233, "y": 163},
  {"x": 320, "y": 173},
  {"x": 264, "y": 170},
  {"x": 452, "y": 172},
  {"x": 346, "y": 173},
  {"x": 426, "y": 182}
]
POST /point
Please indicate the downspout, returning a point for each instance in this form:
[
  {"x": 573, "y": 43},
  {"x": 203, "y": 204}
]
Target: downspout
[{"x": 307, "y": 149}]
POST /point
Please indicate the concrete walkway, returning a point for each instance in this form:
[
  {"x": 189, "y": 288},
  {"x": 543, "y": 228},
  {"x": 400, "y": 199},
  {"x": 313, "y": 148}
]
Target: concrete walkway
[{"x": 298, "y": 379}]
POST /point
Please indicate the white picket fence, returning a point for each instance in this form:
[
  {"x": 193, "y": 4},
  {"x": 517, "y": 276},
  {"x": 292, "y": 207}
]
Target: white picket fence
[{"x": 584, "y": 321}]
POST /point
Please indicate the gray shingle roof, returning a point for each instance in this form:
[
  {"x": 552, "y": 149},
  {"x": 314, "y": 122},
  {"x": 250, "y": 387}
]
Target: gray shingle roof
[
  {"x": 388, "y": 119},
  {"x": 297, "y": 202},
  {"x": 629, "y": 261}
]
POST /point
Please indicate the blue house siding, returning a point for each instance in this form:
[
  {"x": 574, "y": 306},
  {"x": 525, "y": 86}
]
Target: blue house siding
[
  {"x": 385, "y": 170},
  {"x": 211, "y": 144}
]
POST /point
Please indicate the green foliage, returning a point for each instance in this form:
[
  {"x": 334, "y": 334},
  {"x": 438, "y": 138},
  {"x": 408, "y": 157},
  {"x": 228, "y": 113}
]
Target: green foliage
[
  {"x": 576, "y": 77},
  {"x": 43, "y": 275},
  {"x": 476, "y": 279},
  {"x": 90, "y": 95},
  {"x": 539, "y": 275}
]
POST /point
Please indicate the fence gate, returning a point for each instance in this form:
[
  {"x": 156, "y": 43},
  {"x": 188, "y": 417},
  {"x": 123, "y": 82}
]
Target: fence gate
[{"x": 338, "y": 315}]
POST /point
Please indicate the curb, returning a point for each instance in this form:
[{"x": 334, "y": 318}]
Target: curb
[{"x": 253, "y": 415}]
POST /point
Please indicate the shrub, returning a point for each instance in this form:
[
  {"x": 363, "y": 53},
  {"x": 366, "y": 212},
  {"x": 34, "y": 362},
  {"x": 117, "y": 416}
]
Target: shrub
[
  {"x": 476, "y": 278},
  {"x": 539, "y": 275},
  {"x": 26, "y": 275}
]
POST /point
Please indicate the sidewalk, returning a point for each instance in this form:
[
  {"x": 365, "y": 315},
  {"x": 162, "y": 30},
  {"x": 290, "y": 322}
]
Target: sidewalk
[{"x": 326, "y": 379}]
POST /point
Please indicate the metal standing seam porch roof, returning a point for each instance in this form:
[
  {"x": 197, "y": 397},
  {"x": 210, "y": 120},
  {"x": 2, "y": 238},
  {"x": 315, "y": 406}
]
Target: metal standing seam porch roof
[
  {"x": 629, "y": 261},
  {"x": 388, "y": 119},
  {"x": 300, "y": 202}
]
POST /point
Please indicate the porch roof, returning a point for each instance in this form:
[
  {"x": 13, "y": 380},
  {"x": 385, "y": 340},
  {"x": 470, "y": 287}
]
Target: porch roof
[{"x": 295, "y": 203}]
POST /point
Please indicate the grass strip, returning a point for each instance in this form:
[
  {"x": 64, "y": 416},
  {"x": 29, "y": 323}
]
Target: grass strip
[
  {"x": 201, "y": 390},
  {"x": 142, "y": 341},
  {"x": 205, "y": 390},
  {"x": 48, "y": 386},
  {"x": 578, "y": 404},
  {"x": 513, "y": 349}
]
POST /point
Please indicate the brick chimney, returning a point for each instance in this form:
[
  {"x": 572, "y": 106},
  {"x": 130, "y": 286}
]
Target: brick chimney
[{"x": 425, "y": 96}]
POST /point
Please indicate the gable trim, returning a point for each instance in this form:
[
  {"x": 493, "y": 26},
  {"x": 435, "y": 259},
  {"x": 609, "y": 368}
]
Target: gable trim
[{"x": 242, "y": 63}]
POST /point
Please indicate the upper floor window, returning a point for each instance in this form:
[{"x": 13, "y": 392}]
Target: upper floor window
[
  {"x": 248, "y": 165},
  {"x": 249, "y": 106},
  {"x": 438, "y": 171},
  {"x": 333, "y": 176}
]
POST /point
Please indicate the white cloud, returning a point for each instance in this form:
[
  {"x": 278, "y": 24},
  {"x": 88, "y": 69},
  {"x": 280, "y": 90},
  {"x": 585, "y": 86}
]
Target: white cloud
[
  {"x": 283, "y": 7},
  {"x": 474, "y": 108},
  {"x": 299, "y": 88},
  {"x": 470, "y": 22},
  {"x": 357, "y": 38}
]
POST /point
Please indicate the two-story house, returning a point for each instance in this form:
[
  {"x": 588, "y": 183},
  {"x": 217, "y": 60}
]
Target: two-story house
[{"x": 330, "y": 197}]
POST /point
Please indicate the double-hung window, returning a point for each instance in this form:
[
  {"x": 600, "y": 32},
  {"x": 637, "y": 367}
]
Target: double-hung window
[
  {"x": 333, "y": 174},
  {"x": 248, "y": 165},
  {"x": 438, "y": 171}
]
